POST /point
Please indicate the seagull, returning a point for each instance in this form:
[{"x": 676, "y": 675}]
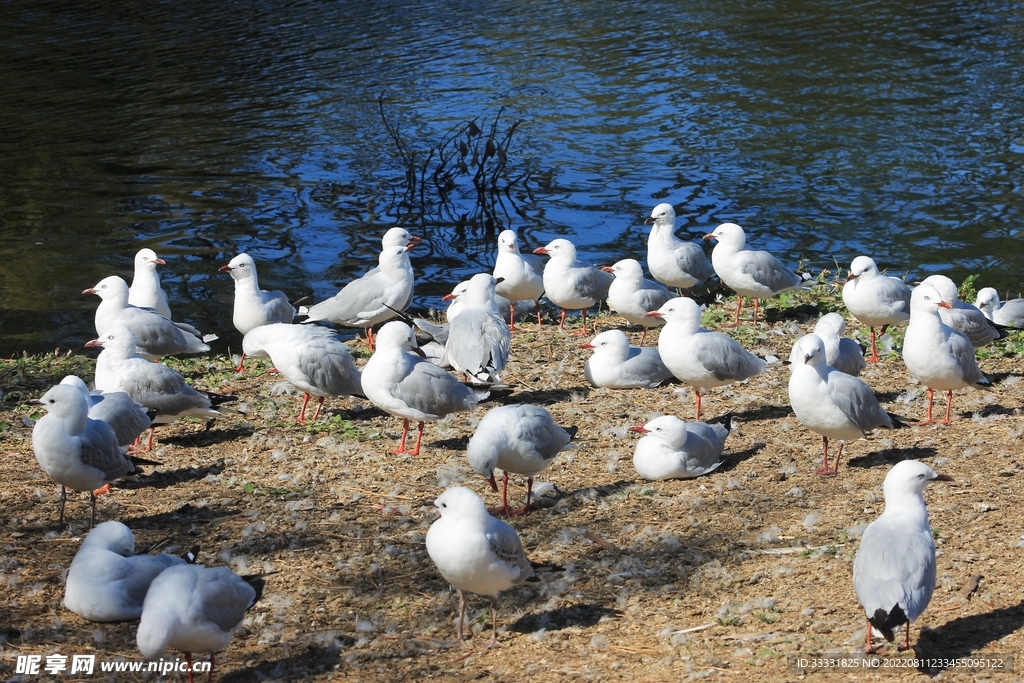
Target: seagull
[
  {"x": 373, "y": 298},
  {"x": 935, "y": 354},
  {"x": 697, "y": 357},
  {"x": 478, "y": 339},
  {"x": 571, "y": 284},
  {"x": 874, "y": 299},
  {"x": 410, "y": 387},
  {"x": 154, "y": 385},
  {"x": 829, "y": 402},
  {"x": 631, "y": 295},
  {"x": 521, "y": 439},
  {"x": 1009, "y": 313},
  {"x": 146, "y": 291},
  {"x": 107, "y": 581},
  {"x": 674, "y": 449},
  {"x": 963, "y": 317},
  {"x": 674, "y": 262},
  {"x": 312, "y": 358},
  {"x": 756, "y": 274},
  {"x": 476, "y": 552},
  {"x": 842, "y": 353},
  {"x": 894, "y": 571},
  {"x": 127, "y": 418},
  {"x": 617, "y": 365},
  {"x": 75, "y": 451},
  {"x": 506, "y": 308},
  {"x": 194, "y": 609},
  {"x": 254, "y": 306},
  {"x": 522, "y": 275},
  {"x": 155, "y": 334},
  {"x": 398, "y": 237}
]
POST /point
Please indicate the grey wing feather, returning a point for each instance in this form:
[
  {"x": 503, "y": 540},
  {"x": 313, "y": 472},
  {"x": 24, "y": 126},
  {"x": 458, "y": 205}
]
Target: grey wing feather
[
  {"x": 279, "y": 309},
  {"x": 652, "y": 296},
  {"x": 127, "y": 418},
  {"x": 434, "y": 391},
  {"x": 142, "y": 569},
  {"x": 328, "y": 364},
  {"x": 726, "y": 359},
  {"x": 359, "y": 296},
  {"x": 99, "y": 449},
  {"x": 162, "y": 389},
  {"x": 478, "y": 342},
  {"x": 505, "y": 544},
  {"x": 645, "y": 362},
  {"x": 538, "y": 428},
  {"x": 590, "y": 282},
  {"x": 767, "y": 270},
  {"x": 226, "y": 597},
  {"x": 534, "y": 263},
  {"x": 973, "y": 324},
  {"x": 963, "y": 352},
  {"x": 893, "y": 568},
  {"x": 438, "y": 333},
  {"x": 692, "y": 260},
  {"x": 851, "y": 357},
  {"x": 857, "y": 401},
  {"x": 894, "y": 291}
]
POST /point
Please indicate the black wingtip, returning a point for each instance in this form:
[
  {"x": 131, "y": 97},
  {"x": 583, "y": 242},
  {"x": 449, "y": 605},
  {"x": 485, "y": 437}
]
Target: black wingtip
[
  {"x": 885, "y": 622},
  {"x": 136, "y": 460},
  {"x": 899, "y": 421},
  {"x": 191, "y": 555},
  {"x": 572, "y": 431},
  {"x": 539, "y": 567},
  {"x": 257, "y": 583},
  {"x": 724, "y": 420},
  {"x": 406, "y": 318},
  {"x": 220, "y": 399}
]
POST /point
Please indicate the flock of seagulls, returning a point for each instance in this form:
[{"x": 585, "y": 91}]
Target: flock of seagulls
[{"x": 421, "y": 372}]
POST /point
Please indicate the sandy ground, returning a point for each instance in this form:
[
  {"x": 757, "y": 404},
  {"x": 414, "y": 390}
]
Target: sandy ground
[{"x": 725, "y": 577}]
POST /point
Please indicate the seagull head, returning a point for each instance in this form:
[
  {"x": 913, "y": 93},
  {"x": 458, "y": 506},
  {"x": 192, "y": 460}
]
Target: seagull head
[
  {"x": 988, "y": 298},
  {"x": 728, "y": 234},
  {"x": 147, "y": 258},
  {"x": 862, "y": 265},
  {"x": 831, "y": 323},
  {"x": 909, "y": 478},
  {"x": 109, "y": 288},
  {"x": 926, "y": 298},
  {"x": 398, "y": 237},
  {"x": 680, "y": 310},
  {"x": 118, "y": 340},
  {"x": 112, "y": 536},
  {"x": 459, "y": 501},
  {"x": 65, "y": 401},
  {"x": 808, "y": 350},
  {"x": 662, "y": 214},
  {"x": 945, "y": 287},
  {"x": 242, "y": 266},
  {"x": 667, "y": 428},
  {"x": 508, "y": 241},
  {"x": 614, "y": 342},
  {"x": 627, "y": 269},
  {"x": 558, "y": 249},
  {"x": 457, "y": 293},
  {"x": 397, "y": 335}
]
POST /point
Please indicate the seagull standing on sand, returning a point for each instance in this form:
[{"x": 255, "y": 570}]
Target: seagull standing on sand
[
  {"x": 842, "y": 353},
  {"x": 874, "y": 299},
  {"x": 312, "y": 358},
  {"x": 127, "y": 418},
  {"x": 571, "y": 284},
  {"x": 1009, "y": 313},
  {"x": 617, "y": 365},
  {"x": 935, "y": 354},
  {"x": 674, "y": 449},
  {"x": 154, "y": 385},
  {"x": 522, "y": 275},
  {"x": 76, "y": 452},
  {"x": 254, "y": 306},
  {"x": 518, "y": 439},
  {"x": 107, "y": 581},
  {"x": 756, "y": 274},
  {"x": 476, "y": 552},
  {"x": 373, "y": 298},
  {"x": 698, "y": 357},
  {"x": 478, "y": 338},
  {"x": 894, "y": 571},
  {"x": 196, "y": 610},
  {"x": 672, "y": 261},
  {"x": 409, "y": 387},
  {"x": 963, "y": 317},
  {"x": 146, "y": 291},
  {"x": 632, "y": 296},
  {"x": 829, "y": 402}
]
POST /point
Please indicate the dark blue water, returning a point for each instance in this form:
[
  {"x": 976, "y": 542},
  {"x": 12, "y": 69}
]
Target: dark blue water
[{"x": 826, "y": 129}]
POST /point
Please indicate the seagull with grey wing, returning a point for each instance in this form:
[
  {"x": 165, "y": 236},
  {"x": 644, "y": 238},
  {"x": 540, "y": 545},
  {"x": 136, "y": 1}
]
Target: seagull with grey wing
[{"x": 478, "y": 338}]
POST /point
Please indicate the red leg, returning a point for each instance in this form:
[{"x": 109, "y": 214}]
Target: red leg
[
  {"x": 188, "y": 661},
  {"x": 319, "y": 406},
  {"x": 835, "y": 468},
  {"x": 696, "y": 392},
  {"x": 537, "y": 302},
  {"x": 419, "y": 438},
  {"x": 369, "y": 339},
  {"x": 503, "y": 510},
  {"x": 949, "y": 406},
  {"x": 301, "y": 419},
  {"x": 462, "y": 612},
  {"x": 906, "y": 637},
  {"x": 929, "y": 420},
  {"x": 824, "y": 470},
  {"x": 584, "y": 332},
  {"x": 149, "y": 444},
  {"x": 213, "y": 660},
  {"x": 739, "y": 307},
  {"x": 643, "y": 337},
  {"x": 874, "y": 348},
  {"x": 103, "y": 489},
  {"x": 511, "y": 316},
  {"x": 755, "y": 311},
  {"x": 561, "y": 325},
  {"x": 529, "y": 491},
  {"x": 405, "y": 432},
  {"x": 239, "y": 368}
]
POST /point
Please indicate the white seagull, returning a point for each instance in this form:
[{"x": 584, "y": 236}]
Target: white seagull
[
  {"x": 571, "y": 284},
  {"x": 194, "y": 609},
  {"x": 107, "y": 581},
  {"x": 517, "y": 439},
  {"x": 935, "y": 354},
  {"x": 75, "y": 451},
  {"x": 398, "y": 237},
  {"x": 874, "y": 299},
  {"x": 674, "y": 449},
  {"x": 963, "y": 317},
  {"x": 617, "y": 365},
  {"x": 698, "y": 357},
  {"x": 522, "y": 275},
  {"x": 314, "y": 359},
  {"x": 478, "y": 338},
  {"x": 829, "y": 402},
  {"x": 127, "y": 418},
  {"x": 842, "y": 353},
  {"x": 756, "y": 274},
  {"x": 373, "y": 298},
  {"x": 156, "y": 335},
  {"x": 1008, "y": 313},
  {"x": 254, "y": 306},
  {"x": 476, "y": 552},
  {"x": 894, "y": 571},
  {"x": 409, "y": 387},
  {"x": 632, "y": 296},
  {"x": 146, "y": 291},
  {"x": 674, "y": 262}
]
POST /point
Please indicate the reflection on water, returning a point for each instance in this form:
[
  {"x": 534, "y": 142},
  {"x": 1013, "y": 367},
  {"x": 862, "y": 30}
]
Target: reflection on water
[{"x": 827, "y": 129}]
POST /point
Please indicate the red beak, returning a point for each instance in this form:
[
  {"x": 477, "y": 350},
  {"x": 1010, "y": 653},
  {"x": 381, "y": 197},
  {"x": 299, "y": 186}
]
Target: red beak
[
  {"x": 607, "y": 269},
  {"x": 414, "y": 238},
  {"x": 448, "y": 297},
  {"x": 639, "y": 429},
  {"x": 160, "y": 261},
  {"x": 653, "y": 314},
  {"x": 943, "y": 304},
  {"x": 649, "y": 220},
  {"x": 540, "y": 250},
  {"x": 412, "y": 244},
  {"x": 709, "y": 236},
  {"x": 944, "y": 477},
  {"x": 224, "y": 269},
  {"x": 94, "y": 342},
  {"x": 89, "y": 291},
  {"x": 587, "y": 345}
]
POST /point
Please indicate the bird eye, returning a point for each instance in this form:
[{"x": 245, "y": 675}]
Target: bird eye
[
  {"x": 920, "y": 476},
  {"x": 110, "y": 336},
  {"x": 444, "y": 505}
]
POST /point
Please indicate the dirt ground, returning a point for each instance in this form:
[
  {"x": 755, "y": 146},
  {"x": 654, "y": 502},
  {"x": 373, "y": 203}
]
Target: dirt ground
[{"x": 725, "y": 577}]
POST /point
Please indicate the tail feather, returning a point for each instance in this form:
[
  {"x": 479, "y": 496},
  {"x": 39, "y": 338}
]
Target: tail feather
[
  {"x": 572, "y": 431},
  {"x": 539, "y": 568},
  {"x": 724, "y": 420},
  {"x": 884, "y": 622},
  {"x": 899, "y": 421}
]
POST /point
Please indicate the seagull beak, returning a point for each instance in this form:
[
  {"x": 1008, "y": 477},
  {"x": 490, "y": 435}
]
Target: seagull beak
[
  {"x": 649, "y": 221},
  {"x": 410, "y": 246},
  {"x": 416, "y": 240},
  {"x": 653, "y": 314},
  {"x": 607, "y": 269},
  {"x": 448, "y": 297},
  {"x": 498, "y": 280},
  {"x": 160, "y": 262},
  {"x": 639, "y": 429},
  {"x": 494, "y": 484},
  {"x": 709, "y": 236},
  {"x": 89, "y": 291},
  {"x": 92, "y": 343},
  {"x": 419, "y": 352},
  {"x": 808, "y": 357},
  {"x": 224, "y": 269},
  {"x": 540, "y": 250},
  {"x": 586, "y": 345},
  {"x": 943, "y": 304},
  {"x": 851, "y": 276},
  {"x": 943, "y": 477}
]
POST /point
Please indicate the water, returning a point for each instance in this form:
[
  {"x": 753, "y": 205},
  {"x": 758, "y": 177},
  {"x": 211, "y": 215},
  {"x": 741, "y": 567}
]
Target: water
[{"x": 826, "y": 129}]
